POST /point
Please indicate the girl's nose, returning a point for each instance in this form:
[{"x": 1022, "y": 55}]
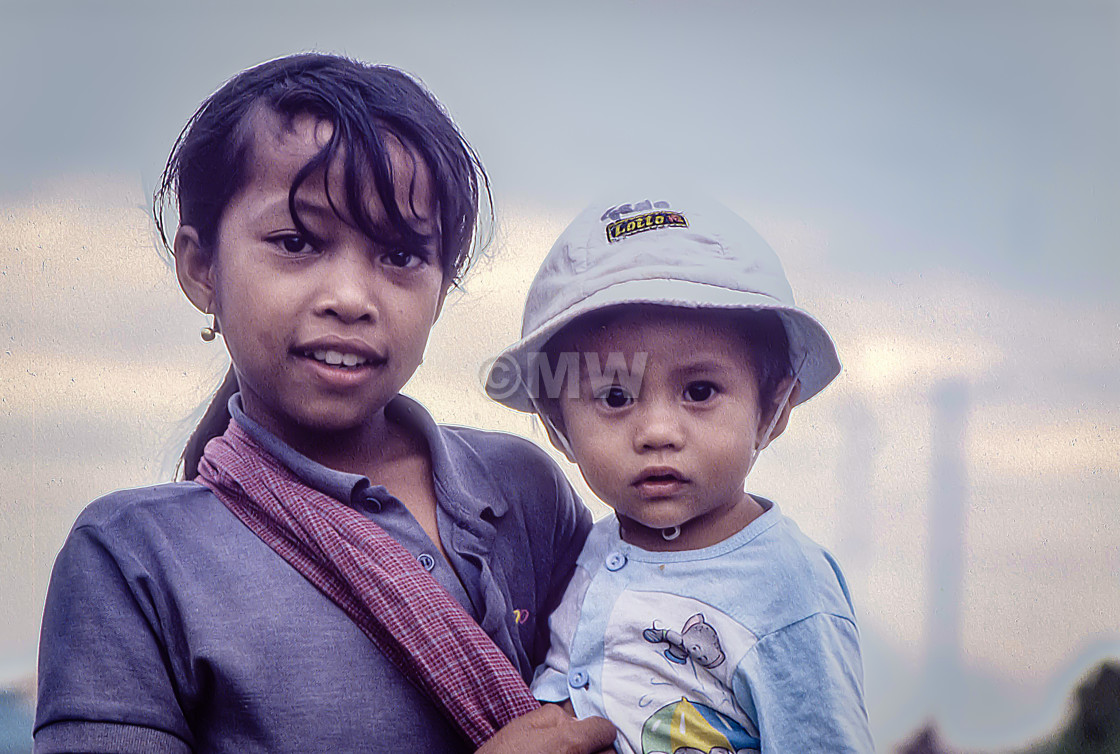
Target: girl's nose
[
  {"x": 349, "y": 292},
  {"x": 659, "y": 428}
]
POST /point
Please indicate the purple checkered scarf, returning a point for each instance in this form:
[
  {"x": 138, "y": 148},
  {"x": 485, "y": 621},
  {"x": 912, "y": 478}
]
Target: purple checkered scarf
[{"x": 380, "y": 585}]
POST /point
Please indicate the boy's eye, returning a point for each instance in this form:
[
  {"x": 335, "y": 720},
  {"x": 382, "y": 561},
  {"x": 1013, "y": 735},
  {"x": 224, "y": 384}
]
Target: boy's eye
[
  {"x": 614, "y": 396},
  {"x": 699, "y": 392}
]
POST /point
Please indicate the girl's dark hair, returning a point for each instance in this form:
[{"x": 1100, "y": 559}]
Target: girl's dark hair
[{"x": 366, "y": 105}]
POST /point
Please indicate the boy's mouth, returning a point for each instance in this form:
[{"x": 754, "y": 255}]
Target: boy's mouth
[{"x": 659, "y": 481}]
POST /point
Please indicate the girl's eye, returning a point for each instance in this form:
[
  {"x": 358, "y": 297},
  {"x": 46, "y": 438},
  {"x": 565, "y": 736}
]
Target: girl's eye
[
  {"x": 614, "y": 397},
  {"x": 293, "y": 243},
  {"x": 699, "y": 392},
  {"x": 403, "y": 258}
]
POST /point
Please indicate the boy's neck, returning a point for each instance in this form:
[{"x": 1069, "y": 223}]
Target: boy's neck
[{"x": 695, "y": 534}]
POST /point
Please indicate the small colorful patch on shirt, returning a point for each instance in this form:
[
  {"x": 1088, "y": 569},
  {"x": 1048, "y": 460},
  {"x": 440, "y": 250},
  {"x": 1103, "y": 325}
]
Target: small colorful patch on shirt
[
  {"x": 630, "y": 226},
  {"x": 520, "y": 616}
]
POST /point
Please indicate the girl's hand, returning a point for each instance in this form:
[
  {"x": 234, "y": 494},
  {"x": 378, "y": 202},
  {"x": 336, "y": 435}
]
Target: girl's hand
[{"x": 551, "y": 730}]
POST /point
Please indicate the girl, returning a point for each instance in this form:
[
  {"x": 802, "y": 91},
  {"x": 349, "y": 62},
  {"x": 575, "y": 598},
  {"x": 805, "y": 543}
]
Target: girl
[{"x": 314, "y": 583}]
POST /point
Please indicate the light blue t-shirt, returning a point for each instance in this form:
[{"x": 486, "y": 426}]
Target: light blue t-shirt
[{"x": 749, "y": 645}]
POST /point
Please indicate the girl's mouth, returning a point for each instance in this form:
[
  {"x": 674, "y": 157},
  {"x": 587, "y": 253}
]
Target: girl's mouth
[
  {"x": 341, "y": 360},
  {"x": 337, "y": 358}
]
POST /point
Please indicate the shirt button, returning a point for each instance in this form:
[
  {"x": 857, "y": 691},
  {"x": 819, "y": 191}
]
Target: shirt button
[
  {"x": 577, "y": 679},
  {"x": 427, "y": 561},
  {"x": 615, "y": 561}
]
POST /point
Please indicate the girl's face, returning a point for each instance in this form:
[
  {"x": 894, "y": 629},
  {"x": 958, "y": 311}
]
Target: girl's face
[{"x": 325, "y": 328}]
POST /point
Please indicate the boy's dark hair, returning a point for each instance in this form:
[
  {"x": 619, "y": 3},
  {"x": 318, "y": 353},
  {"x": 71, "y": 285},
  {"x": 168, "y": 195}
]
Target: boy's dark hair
[
  {"x": 763, "y": 334},
  {"x": 768, "y": 345},
  {"x": 365, "y": 104}
]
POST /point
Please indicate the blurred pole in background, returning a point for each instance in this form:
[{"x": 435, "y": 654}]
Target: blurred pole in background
[
  {"x": 948, "y": 506},
  {"x": 855, "y": 527}
]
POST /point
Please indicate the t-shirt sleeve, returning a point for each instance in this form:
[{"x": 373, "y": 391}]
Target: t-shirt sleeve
[
  {"x": 105, "y": 684},
  {"x": 803, "y": 685}
]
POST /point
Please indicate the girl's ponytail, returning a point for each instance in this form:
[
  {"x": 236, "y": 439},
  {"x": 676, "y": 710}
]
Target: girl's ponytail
[{"x": 213, "y": 423}]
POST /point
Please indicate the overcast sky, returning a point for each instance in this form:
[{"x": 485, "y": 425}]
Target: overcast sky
[{"x": 940, "y": 179}]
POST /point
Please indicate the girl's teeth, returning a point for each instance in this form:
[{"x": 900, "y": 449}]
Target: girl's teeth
[{"x": 336, "y": 358}]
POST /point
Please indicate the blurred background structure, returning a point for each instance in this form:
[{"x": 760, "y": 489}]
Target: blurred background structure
[
  {"x": 940, "y": 179},
  {"x": 1093, "y": 726}
]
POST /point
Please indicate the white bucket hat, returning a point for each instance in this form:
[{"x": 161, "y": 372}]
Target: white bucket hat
[{"x": 682, "y": 251}]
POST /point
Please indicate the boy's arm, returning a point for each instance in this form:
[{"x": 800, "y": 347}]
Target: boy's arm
[{"x": 804, "y": 686}]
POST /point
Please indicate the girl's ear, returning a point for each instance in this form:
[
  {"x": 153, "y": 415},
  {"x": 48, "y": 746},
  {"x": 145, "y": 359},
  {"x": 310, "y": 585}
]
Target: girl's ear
[
  {"x": 194, "y": 268},
  {"x": 782, "y": 418}
]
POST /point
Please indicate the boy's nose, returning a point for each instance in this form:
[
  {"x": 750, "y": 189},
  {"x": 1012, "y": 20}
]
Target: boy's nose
[{"x": 659, "y": 428}]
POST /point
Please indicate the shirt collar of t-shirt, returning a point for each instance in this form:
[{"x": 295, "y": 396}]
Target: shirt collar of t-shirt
[{"x": 356, "y": 489}]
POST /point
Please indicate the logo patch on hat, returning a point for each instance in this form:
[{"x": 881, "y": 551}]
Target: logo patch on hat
[{"x": 630, "y": 226}]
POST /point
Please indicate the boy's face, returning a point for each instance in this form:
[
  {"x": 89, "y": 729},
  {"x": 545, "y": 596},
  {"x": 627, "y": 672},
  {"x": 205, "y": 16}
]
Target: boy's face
[{"x": 674, "y": 447}]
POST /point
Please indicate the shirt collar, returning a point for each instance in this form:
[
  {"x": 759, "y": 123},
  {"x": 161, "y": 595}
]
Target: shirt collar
[
  {"x": 457, "y": 483},
  {"x": 337, "y": 484},
  {"x": 461, "y": 477}
]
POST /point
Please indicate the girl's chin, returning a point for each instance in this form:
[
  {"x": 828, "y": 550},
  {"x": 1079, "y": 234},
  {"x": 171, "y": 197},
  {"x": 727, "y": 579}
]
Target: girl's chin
[{"x": 333, "y": 419}]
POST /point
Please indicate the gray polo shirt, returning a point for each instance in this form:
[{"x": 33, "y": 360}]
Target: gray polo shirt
[{"x": 170, "y": 627}]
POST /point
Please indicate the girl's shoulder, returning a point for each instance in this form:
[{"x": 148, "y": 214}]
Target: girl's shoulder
[
  {"x": 156, "y": 517},
  {"x": 508, "y": 473},
  {"x": 499, "y": 451},
  {"x": 154, "y": 500},
  {"x": 470, "y": 452}
]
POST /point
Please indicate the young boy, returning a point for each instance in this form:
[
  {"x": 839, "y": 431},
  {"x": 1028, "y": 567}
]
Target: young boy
[{"x": 662, "y": 350}]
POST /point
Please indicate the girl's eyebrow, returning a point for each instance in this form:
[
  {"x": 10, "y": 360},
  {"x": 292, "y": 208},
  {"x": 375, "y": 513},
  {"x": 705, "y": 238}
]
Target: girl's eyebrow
[
  {"x": 320, "y": 209},
  {"x": 424, "y": 226},
  {"x": 308, "y": 210},
  {"x": 303, "y": 207}
]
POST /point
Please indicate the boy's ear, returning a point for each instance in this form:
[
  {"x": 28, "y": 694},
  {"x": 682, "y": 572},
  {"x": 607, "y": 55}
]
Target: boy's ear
[
  {"x": 783, "y": 417},
  {"x": 194, "y": 268},
  {"x": 552, "y": 417}
]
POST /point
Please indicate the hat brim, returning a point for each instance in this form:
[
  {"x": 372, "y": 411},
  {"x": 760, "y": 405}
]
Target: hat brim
[{"x": 812, "y": 352}]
